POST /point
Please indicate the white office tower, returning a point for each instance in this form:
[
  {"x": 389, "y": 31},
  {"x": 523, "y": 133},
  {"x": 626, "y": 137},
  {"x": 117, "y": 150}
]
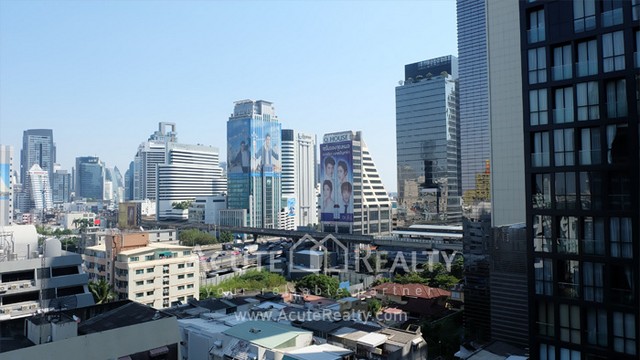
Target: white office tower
[
  {"x": 6, "y": 185},
  {"x": 298, "y": 179},
  {"x": 353, "y": 198},
  {"x": 150, "y": 154},
  {"x": 191, "y": 171},
  {"x": 39, "y": 189}
]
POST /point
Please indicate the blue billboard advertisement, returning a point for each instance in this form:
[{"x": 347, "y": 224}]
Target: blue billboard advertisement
[
  {"x": 4, "y": 181},
  {"x": 253, "y": 147},
  {"x": 291, "y": 207},
  {"x": 336, "y": 174}
]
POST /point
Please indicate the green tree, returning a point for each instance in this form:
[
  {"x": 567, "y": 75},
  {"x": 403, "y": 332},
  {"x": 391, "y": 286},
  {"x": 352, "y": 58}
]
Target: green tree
[
  {"x": 252, "y": 280},
  {"x": 319, "y": 284},
  {"x": 457, "y": 267},
  {"x": 101, "y": 291},
  {"x": 444, "y": 281},
  {"x": 182, "y": 205},
  {"x": 193, "y": 237},
  {"x": 374, "y": 306},
  {"x": 226, "y": 237},
  {"x": 410, "y": 278}
]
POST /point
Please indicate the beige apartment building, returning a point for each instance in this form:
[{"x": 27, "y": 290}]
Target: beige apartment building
[{"x": 156, "y": 274}]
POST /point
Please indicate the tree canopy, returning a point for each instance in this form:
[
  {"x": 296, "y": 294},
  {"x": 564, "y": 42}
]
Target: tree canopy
[{"x": 321, "y": 285}]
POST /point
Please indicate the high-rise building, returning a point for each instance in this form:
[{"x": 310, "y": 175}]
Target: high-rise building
[
  {"x": 39, "y": 188},
  {"x": 128, "y": 182},
  {"x": 61, "y": 186},
  {"x": 37, "y": 148},
  {"x": 428, "y": 150},
  {"x": 298, "y": 177},
  {"x": 191, "y": 171},
  {"x": 254, "y": 162},
  {"x": 89, "y": 178},
  {"x": 581, "y": 79},
  {"x": 150, "y": 154},
  {"x": 473, "y": 95},
  {"x": 353, "y": 199},
  {"x": 6, "y": 185}
]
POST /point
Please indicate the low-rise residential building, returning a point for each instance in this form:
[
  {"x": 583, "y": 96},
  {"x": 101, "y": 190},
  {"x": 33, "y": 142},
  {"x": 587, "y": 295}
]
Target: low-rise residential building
[
  {"x": 123, "y": 330},
  {"x": 206, "y": 209}
]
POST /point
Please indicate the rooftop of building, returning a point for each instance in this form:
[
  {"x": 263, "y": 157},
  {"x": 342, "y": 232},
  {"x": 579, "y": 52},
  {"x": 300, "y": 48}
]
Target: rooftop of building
[
  {"x": 266, "y": 334},
  {"x": 319, "y": 352},
  {"x": 128, "y": 314},
  {"x": 153, "y": 247},
  {"x": 410, "y": 290}
]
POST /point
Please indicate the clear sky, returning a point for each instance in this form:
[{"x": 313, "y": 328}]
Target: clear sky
[{"x": 102, "y": 74}]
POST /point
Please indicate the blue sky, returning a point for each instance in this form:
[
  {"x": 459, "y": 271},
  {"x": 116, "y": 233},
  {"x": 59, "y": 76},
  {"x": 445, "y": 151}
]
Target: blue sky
[{"x": 102, "y": 74}]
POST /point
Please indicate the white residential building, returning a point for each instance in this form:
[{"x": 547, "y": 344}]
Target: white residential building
[{"x": 299, "y": 158}]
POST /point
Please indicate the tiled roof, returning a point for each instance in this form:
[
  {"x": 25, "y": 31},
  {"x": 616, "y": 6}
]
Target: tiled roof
[{"x": 410, "y": 290}]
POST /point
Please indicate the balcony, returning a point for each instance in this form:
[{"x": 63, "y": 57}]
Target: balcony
[
  {"x": 561, "y": 72},
  {"x": 612, "y": 17},
  {"x": 562, "y": 115},
  {"x": 535, "y": 35},
  {"x": 540, "y": 159},
  {"x": 586, "y": 68}
]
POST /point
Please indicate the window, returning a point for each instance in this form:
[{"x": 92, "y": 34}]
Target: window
[
  {"x": 538, "y": 108},
  {"x": 593, "y": 234},
  {"x": 180, "y": 266},
  {"x": 590, "y": 190},
  {"x": 139, "y": 283},
  {"x": 150, "y": 281},
  {"x": 620, "y": 191},
  {"x": 563, "y": 147},
  {"x": 569, "y": 278},
  {"x": 584, "y": 15},
  {"x": 621, "y": 284},
  {"x": 547, "y": 352},
  {"x": 536, "y": 26},
  {"x": 541, "y": 191},
  {"x": 587, "y": 98},
  {"x": 134, "y": 258},
  {"x": 635, "y": 9},
  {"x": 616, "y": 98},
  {"x": 139, "y": 295},
  {"x": 613, "y": 51},
  {"x": 186, "y": 253},
  {"x": 189, "y": 286},
  {"x": 544, "y": 276},
  {"x": 587, "y": 58},
  {"x": 617, "y": 140},
  {"x": 597, "y": 326},
  {"x": 590, "y": 146},
  {"x": 537, "y": 65},
  {"x": 568, "y": 235},
  {"x": 624, "y": 333},
  {"x": 569, "y": 323},
  {"x": 542, "y": 241},
  {"x": 181, "y": 287},
  {"x": 546, "y": 319},
  {"x": 563, "y": 110},
  {"x": 636, "y": 54},
  {"x": 190, "y": 275},
  {"x": 568, "y": 354},
  {"x": 149, "y": 270},
  {"x": 139, "y": 271},
  {"x": 562, "y": 63},
  {"x": 565, "y": 190},
  {"x": 621, "y": 237},
  {"x": 593, "y": 277},
  {"x": 540, "y": 147},
  {"x": 180, "y": 276},
  {"x": 611, "y": 12},
  {"x": 150, "y": 293},
  {"x": 148, "y": 257},
  {"x": 190, "y": 264}
]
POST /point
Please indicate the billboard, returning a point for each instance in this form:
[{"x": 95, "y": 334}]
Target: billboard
[
  {"x": 5, "y": 184},
  {"x": 253, "y": 147},
  {"x": 291, "y": 207},
  {"x": 336, "y": 174}
]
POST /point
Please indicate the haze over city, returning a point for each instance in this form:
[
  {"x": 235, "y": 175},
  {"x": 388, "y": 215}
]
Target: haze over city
[{"x": 103, "y": 74}]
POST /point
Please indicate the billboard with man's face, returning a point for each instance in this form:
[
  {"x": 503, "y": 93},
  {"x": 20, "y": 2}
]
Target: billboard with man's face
[
  {"x": 336, "y": 174},
  {"x": 253, "y": 147}
]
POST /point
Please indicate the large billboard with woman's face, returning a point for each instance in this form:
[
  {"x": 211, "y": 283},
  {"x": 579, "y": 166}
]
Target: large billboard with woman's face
[{"x": 336, "y": 174}]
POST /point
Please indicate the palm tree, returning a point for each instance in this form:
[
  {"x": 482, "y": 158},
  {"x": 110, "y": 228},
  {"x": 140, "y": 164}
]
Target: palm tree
[{"x": 101, "y": 291}]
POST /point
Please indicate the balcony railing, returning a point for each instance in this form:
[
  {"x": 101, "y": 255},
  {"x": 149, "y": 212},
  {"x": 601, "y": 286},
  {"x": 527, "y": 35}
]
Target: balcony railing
[
  {"x": 561, "y": 72},
  {"x": 586, "y": 68},
  {"x": 612, "y": 17}
]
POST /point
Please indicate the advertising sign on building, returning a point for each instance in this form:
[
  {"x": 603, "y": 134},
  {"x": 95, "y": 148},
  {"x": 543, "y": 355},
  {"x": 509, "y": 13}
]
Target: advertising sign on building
[
  {"x": 253, "y": 147},
  {"x": 336, "y": 175},
  {"x": 5, "y": 186}
]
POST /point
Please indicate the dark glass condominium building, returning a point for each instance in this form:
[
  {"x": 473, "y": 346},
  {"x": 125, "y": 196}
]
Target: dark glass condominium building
[{"x": 581, "y": 75}]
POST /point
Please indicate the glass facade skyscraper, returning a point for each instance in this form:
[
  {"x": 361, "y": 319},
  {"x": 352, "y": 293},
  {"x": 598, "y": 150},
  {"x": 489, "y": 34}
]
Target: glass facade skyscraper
[
  {"x": 89, "y": 178},
  {"x": 254, "y": 162},
  {"x": 473, "y": 95},
  {"x": 581, "y": 80},
  {"x": 428, "y": 150}
]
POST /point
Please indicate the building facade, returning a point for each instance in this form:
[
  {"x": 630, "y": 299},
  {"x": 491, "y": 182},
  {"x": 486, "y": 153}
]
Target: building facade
[
  {"x": 581, "y": 77},
  {"x": 90, "y": 176},
  {"x": 473, "y": 95},
  {"x": 150, "y": 154},
  {"x": 299, "y": 177},
  {"x": 6, "y": 185},
  {"x": 39, "y": 189},
  {"x": 353, "y": 199},
  {"x": 428, "y": 150},
  {"x": 254, "y": 163},
  {"x": 190, "y": 171},
  {"x": 37, "y": 148},
  {"x": 61, "y": 186}
]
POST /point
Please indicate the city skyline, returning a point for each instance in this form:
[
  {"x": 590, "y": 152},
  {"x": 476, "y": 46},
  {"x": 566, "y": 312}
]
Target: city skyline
[{"x": 114, "y": 70}]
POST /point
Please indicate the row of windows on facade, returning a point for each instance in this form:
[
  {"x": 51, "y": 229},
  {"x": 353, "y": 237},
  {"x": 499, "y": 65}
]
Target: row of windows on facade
[
  {"x": 584, "y": 17},
  {"x": 586, "y": 54},
  {"x": 585, "y": 96},
  {"x": 159, "y": 256},
  {"x": 165, "y": 281},
  {"x": 581, "y": 328},
  {"x": 585, "y": 190},
  {"x": 152, "y": 292},
  {"x": 583, "y": 235}
]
